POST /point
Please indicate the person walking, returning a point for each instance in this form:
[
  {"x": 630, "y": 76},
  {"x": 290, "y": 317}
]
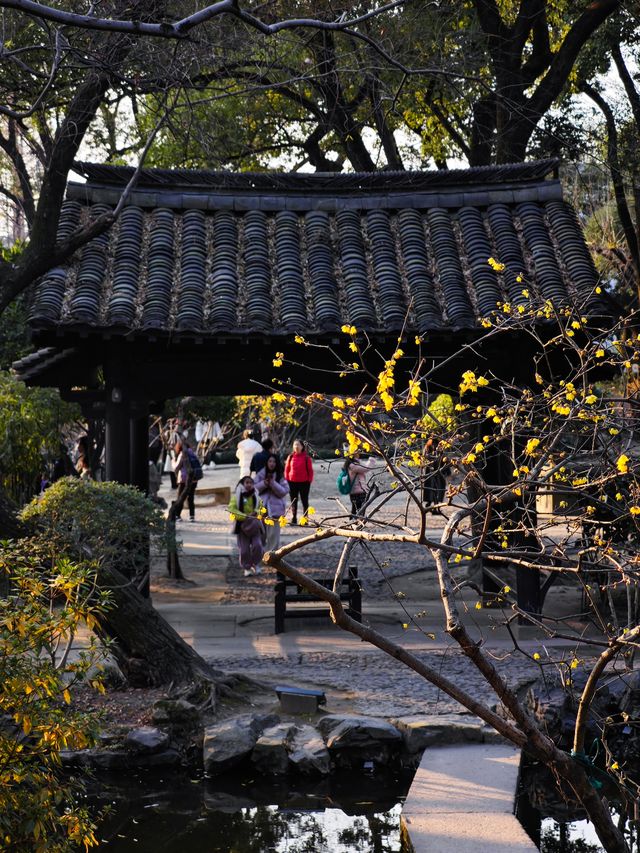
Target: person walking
[
  {"x": 273, "y": 490},
  {"x": 245, "y": 451},
  {"x": 186, "y": 481},
  {"x": 298, "y": 472},
  {"x": 245, "y": 508}
]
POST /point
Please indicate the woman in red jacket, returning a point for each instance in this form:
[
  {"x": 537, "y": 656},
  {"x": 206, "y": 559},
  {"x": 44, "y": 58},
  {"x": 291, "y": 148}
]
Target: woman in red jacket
[{"x": 298, "y": 472}]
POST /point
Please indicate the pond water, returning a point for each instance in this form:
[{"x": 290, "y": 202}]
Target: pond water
[
  {"x": 149, "y": 813},
  {"x": 556, "y": 823}
]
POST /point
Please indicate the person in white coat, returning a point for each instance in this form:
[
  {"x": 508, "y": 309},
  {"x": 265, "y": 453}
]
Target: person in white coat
[{"x": 245, "y": 452}]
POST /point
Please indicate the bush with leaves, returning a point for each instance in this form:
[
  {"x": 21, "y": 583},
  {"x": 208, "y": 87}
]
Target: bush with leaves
[
  {"x": 31, "y": 423},
  {"x": 47, "y": 603},
  {"x": 108, "y": 522}
]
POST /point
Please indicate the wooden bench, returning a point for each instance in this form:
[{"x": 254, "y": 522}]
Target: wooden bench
[
  {"x": 218, "y": 494},
  {"x": 289, "y": 592}
]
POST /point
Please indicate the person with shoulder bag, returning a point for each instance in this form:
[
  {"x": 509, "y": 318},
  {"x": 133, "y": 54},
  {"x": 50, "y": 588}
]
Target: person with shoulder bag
[{"x": 245, "y": 509}]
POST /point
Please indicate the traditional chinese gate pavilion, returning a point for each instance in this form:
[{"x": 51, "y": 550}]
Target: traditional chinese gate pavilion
[{"x": 206, "y": 275}]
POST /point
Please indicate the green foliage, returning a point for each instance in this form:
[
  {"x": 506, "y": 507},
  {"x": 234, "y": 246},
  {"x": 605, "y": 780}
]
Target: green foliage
[
  {"x": 219, "y": 409},
  {"x": 14, "y": 333},
  {"x": 441, "y": 414},
  {"x": 47, "y": 602},
  {"x": 108, "y": 521},
  {"x": 30, "y": 427}
]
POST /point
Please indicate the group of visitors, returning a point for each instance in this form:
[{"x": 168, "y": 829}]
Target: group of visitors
[{"x": 265, "y": 490}]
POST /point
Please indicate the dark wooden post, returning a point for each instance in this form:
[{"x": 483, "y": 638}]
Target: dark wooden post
[
  {"x": 118, "y": 437},
  {"x": 280, "y": 602},
  {"x": 355, "y": 594},
  {"x": 497, "y": 471},
  {"x": 139, "y": 442}
]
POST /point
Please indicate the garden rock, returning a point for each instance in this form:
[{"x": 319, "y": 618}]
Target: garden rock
[
  {"x": 229, "y": 743},
  {"x": 307, "y": 752},
  {"x": 420, "y": 732},
  {"x": 177, "y": 714},
  {"x": 146, "y": 740},
  {"x": 270, "y": 754},
  {"x": 357, "y": 732}
]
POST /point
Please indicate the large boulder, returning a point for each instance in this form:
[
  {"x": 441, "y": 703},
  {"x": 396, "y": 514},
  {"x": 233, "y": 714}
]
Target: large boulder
[
  {"x": 351, "y": 732},
  {"x": 271, "y": 752},
  {"x": 146, "y": 740},
  {"x": 229, "y": 743},
  {"x": 307, "y": 752}
]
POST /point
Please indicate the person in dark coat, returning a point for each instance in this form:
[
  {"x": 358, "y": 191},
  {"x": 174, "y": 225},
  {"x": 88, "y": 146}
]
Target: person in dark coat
[{"x": 259, "y": 459}]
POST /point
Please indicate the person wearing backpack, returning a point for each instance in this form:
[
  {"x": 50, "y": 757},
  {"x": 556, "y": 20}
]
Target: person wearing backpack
[
  {"x": 352, "y": 481},
  {"x": 187, "y": 480}
]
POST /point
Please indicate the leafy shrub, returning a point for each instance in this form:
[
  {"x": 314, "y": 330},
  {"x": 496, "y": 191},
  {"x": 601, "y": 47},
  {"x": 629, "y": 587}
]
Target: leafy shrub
[
  {"x": 105, "y": 521},
  {"x": 39, "y": 617},
  {"x": 30, "y": 425}
]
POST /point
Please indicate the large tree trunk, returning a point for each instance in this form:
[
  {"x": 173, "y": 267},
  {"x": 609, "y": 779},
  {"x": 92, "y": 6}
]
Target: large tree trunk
[{"x": 147, "y": 649}]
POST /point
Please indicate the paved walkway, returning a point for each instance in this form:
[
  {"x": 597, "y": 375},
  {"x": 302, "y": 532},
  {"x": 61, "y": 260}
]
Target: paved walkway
[{"x": 229, "y": 619}]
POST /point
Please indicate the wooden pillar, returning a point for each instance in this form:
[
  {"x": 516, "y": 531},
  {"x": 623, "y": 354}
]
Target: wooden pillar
[
  {"x": 139, "y": 443},
  {"x": 118, "y": 436},
  {"x": 498, "y": 471}
]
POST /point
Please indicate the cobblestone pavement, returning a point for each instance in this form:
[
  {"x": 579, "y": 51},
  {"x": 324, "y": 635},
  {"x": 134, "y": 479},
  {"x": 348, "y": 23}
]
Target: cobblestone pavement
[{"x": 375, "y": 684}]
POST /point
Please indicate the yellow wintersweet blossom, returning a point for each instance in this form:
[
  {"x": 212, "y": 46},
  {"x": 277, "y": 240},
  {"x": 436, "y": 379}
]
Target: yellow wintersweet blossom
[
  {"x": 269, "y": 522},
  {"x": 338, "y": 403},
  {"x": 277, "y": 361},
  {"x": 634, "y": 510},
  {"x": 417, "y": 340},
  {"x": 278, "y": 397},
  {"x": 600, "y": 353},
  {"x": 478, "y": 605},
  {"x": 471, "y": 382},
  {"x": 536, "y": 656},
  {"x": 311, "y": 511},
  {"x": 282, "y": 521},
  {"x": 413, "y": 397},
  {"x": 613, "y": 431},
  {"x": 479, "y": 447},
  {"x": 397, "y": 354},
  {"x": 590, "y": 399},
  {"x": 615, "y": 766},
  {"x": 532, "y": 444},
  {"x": 303, "y": 521},
  {"x": 574, "y": 663},
  {"x": 623, "y": 464},
  {"x": 353, "y": 347},
  {"x": 355, "y": 365},
  {"x": 495, "y": 265},
  {"x": 469, "y": 458},
  {"x": 349, "y": 330},
  {"x": 299, "y": 339}
]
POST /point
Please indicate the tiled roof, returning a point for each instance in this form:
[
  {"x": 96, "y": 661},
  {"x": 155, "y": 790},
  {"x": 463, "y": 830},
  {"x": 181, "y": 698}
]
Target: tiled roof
[{"x": 209, "y": 253}]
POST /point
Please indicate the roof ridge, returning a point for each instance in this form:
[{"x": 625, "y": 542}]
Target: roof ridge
[{"x": 291, "y": 182}]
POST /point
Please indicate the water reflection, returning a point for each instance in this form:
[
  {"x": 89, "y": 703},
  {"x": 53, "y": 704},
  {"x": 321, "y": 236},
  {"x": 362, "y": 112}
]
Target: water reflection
[{"x": 250, "y": 815}]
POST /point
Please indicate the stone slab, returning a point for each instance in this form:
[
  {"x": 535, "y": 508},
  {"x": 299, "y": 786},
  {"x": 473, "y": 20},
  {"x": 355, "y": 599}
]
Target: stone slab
[
  {"x": 461, "y": 801},
  {"x": 467, "y": 778},
  {"x": 447, "y": 833}
]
